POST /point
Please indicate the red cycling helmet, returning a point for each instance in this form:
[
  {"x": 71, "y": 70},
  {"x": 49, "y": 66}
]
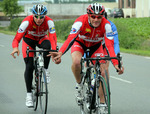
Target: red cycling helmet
[{"x": 96, "y": 8}]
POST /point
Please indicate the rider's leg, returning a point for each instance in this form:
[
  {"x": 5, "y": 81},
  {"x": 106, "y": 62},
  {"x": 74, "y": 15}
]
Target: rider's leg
[
  {"x": 28, "y": 74},
  {"x": 76, "y": 53},
  {"x": 107, "y": 68},
  {"x": 29, "y": 67},
  {"x": 76, "y": 69},
  {"x": 45, "y": 44},
  {"x": 101, "y": 94},
  {"x": 76, "y": 66}
]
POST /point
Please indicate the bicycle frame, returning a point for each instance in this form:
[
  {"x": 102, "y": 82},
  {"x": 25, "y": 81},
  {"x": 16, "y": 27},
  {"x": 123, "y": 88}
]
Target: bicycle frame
[{"x": 93, "y": 98}]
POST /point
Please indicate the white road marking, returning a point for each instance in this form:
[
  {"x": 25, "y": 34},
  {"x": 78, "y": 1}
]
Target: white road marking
[
  {"x": 147, "y": 57},
  {"x": 126, "y": 81},
  {"x": 2, "y": 45}
]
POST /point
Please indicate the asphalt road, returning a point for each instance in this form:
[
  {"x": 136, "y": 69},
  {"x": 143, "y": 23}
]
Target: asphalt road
[{"x": 130, "y": 91}]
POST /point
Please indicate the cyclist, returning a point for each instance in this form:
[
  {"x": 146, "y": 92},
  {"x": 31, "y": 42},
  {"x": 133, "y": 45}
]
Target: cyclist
[
  {"x": 33, "y": 30},
  {"x": 88, "y": 31},
  {"x": 116, "y": 43}
]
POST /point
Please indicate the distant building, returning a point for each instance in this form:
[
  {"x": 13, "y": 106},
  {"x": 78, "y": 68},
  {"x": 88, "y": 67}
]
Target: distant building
[{"x": 135, "y": 8}]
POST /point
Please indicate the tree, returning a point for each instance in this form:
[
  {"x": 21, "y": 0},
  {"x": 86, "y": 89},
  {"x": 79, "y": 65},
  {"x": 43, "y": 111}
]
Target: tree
[{"x": 10, "y": 7}]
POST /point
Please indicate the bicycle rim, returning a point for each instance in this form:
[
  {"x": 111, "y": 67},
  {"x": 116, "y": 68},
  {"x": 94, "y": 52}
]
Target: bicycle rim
[{"x": 43, "y": 95}]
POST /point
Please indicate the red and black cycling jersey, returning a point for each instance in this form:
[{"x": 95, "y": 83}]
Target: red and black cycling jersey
[
  {"x": 83, "y": 32},
  {"x": 29, "y": 29}
]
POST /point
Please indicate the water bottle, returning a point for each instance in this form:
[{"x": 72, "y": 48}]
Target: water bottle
[
  {"x": 92, "y": 85},
  {"x": 94, "y": 74}
]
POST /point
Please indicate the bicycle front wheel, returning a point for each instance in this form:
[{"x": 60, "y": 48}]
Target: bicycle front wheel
[
  {"x": 85, "y": 107},
  {"x": 43, "y": 95},
  {"x": 106, "y": 96},
  {"x": 35, "y": 93}
]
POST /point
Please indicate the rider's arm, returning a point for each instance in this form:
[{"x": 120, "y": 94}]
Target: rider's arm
[
  {"x": 52, "y": 34},
  {"x": 20, "y": 33},
  {"x": 116, "y": 40},
  {"x": 109, "y": 42},
  {"x": 72, "y": 37}
]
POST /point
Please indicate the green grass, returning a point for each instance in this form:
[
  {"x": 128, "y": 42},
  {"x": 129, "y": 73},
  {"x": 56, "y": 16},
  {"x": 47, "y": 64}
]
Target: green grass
[
  {"x": 134, "y": 33},
  {"x": 140, "y": 26},
  {"x": 5, "y": 30},
  {"x": 136, "y": 52}
]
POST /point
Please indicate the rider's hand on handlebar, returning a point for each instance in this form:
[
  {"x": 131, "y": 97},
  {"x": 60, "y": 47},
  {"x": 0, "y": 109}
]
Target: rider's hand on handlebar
[
  {"x": 120, "y": 70},
  {"x": 56, "y": 56},
  {"x": 15, "y": 50}
]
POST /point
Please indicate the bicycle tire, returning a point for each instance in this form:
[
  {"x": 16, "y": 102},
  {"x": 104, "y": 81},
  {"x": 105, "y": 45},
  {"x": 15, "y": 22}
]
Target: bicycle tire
[
  {"x": 106, "y": 95},
  {"x": 43, "y": 94},
  {"x": 35, "y": 93},
  {"x": 108, "y": 85}
]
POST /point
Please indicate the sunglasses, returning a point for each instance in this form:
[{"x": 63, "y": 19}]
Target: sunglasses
[
  {"x": 41, "y": 17},
  {"x": 94, "y": 16}
]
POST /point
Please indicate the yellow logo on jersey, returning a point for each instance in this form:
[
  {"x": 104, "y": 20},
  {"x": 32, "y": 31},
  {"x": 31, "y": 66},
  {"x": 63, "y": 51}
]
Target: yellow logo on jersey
[
  {"x": 88, "y": 30},
  {"x": 34, "y": 27},
  {"x": 52, "y": 30}
]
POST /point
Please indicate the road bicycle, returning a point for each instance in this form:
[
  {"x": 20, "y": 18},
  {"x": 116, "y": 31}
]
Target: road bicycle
[
  {"x": 91, "y": 81},
  {"x": 39, "y": 85}
]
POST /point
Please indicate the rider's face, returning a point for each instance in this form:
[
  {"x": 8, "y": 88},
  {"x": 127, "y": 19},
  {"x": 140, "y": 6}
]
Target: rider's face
[
  {"x": 95, "y": 20},
  {"x": 39, "y": 19}
]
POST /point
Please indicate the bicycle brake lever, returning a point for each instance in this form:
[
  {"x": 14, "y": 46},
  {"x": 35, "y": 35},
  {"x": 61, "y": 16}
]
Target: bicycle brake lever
[
  {"x": 57, "y": 48},
  {"x": 119, "y": 60}
]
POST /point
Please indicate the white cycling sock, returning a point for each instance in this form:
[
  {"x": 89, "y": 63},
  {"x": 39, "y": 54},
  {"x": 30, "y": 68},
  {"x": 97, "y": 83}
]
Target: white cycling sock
[{"x": 29, "y": 94}]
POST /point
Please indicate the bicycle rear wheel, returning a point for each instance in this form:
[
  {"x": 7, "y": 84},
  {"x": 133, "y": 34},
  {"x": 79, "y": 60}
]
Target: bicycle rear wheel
[{"x": 43, "y": 94}]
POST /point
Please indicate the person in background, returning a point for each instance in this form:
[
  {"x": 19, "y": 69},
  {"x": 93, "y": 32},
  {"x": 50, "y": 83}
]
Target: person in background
[
  {"x": 33, "y": 30},
  {"x": 116, "y": 43}
]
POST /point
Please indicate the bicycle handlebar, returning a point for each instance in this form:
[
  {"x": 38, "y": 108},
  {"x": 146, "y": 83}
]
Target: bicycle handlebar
[
  {"x": 101, "y": 58},
  {"x": 41, "y": 50},
  {"x": 98, "y": 58}
]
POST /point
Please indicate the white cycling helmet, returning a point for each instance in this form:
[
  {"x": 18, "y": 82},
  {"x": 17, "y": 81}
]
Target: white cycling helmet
[{"x": 39, "y": 10}]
